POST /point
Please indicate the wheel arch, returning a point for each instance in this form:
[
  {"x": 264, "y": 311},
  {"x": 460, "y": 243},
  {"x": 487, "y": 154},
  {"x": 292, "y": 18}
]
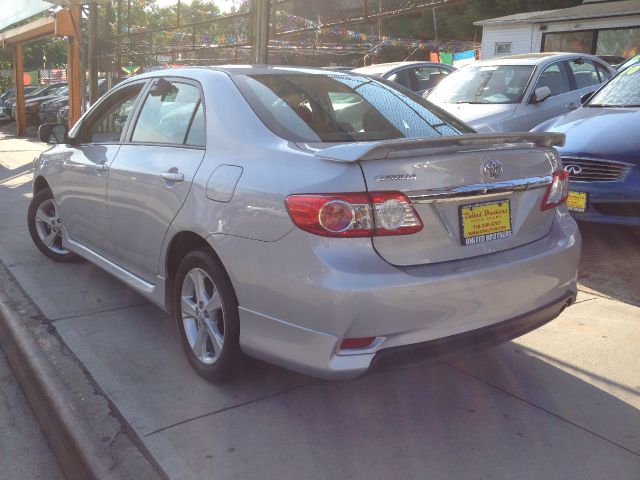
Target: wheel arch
[
  {"x": 40, "y": 184},
  {"x": 180, "y": 244}
]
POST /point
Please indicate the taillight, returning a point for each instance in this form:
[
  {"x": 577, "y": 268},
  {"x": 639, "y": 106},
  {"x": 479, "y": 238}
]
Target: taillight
[
  {"x": 354, "y": 214},
  {"x": 557, "y": 192}
]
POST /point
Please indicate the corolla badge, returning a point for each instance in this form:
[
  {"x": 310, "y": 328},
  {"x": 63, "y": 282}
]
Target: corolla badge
[
  {"x": 395, "y": 178},
  {"x": 573, "y": 169},
  {"x": 492, "y": 169}
]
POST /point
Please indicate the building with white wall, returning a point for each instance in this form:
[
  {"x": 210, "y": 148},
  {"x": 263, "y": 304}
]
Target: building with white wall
[{"x": 606, "y": 28}]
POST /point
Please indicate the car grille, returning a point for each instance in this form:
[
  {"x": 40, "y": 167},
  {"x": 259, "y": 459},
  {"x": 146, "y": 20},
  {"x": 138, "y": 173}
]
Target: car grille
[
  {"x": 618, "y": 209},
  {"x": 591, "y": 170}
]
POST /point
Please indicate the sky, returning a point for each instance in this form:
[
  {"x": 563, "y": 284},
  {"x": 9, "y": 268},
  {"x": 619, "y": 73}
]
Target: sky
[{"x": 223, "y": 5}]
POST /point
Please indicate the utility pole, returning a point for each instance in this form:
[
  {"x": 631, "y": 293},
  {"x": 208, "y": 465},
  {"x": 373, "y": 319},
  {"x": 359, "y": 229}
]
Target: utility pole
[
  {"x": 435, "y": 24},
  {"x": 93, "y": 53},
  {"x": 261, "y": 31},
  {"x": 107, "y": 51},
  {"x": 118, "y": 41}
]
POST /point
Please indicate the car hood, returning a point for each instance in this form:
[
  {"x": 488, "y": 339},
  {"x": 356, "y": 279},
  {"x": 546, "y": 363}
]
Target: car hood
[
  {"x": 479, "y": 114},
  {"x": 599, "y": 132}
]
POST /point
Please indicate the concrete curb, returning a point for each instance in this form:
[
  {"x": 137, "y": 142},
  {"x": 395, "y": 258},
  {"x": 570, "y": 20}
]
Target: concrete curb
[{"x": 79, "y": 453}]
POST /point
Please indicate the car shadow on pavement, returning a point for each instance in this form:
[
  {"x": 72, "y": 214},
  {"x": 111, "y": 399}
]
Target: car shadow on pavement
[
  {"x": 611, "y": 261},
  {"x": 500, "y": 413}
]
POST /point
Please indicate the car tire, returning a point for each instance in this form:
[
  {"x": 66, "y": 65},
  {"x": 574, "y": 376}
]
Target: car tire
[
  {"x": 205, "y": 310},
  {"x": 45, "y": 228}
]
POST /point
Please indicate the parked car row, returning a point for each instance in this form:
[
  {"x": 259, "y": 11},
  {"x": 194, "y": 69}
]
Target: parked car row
[
  {"x": 43, "y": 104},
  {"x": 34, "y": 94}
]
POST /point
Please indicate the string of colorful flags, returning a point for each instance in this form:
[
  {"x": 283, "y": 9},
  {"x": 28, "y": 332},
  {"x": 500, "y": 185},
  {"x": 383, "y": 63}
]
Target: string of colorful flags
[{"x": 450, "y": 51}]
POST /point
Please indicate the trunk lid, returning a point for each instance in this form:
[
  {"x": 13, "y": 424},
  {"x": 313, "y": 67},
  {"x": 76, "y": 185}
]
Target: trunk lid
[{"x": 465, "y": 212}]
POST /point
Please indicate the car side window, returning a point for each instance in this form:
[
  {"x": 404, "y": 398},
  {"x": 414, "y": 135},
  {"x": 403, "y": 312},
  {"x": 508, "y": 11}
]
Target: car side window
[
  {"x": 107, "y": 126},
  {"x": 555, "y": 77},
  {"x": 401, "y": 77},
  {"x": 165, "y": 117},
  {"x": 196, "y": 135},
  {"x": 584, "y": 73},
  {"x": 429, "y": 77},
  {"x": 603, "y": 72}
]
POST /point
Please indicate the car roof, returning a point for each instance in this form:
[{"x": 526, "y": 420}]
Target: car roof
[
  {"x": 387, "y": 67},
  {"x": 534, "y": 58},
  {"x": 233, "y": 70}
]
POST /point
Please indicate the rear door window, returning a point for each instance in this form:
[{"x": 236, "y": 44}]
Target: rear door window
[
  {"x": 429, "y": 76},
  {"x": 165, "y": 118},
  {"x": 584, "y": 73},
  {"x": 196, "y": 135},
  {"x": 401, "y": 77},
  {"x": 603, "y": 72},
  {"x": 555, "y": 77}
]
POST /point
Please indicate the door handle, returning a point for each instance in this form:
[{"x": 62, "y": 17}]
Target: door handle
[
  {"x": 102, "y": 167},
  {"x": 571, "y": 106},
  {"x": 172, "y": 176}
]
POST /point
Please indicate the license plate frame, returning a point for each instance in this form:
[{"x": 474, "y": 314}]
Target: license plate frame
[
  {"x": 502, "y": 229},
  {"x": 577, "y": 201}
]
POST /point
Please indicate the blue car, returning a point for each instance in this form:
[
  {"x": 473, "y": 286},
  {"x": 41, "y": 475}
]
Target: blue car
[{"x": 602, "y": 152}]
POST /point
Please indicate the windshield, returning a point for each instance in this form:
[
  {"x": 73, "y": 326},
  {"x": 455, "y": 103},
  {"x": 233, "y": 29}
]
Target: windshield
[
  {"x": 342, "y": 108},
  {"x": 622, "y": 91},
  {"x": 629, "y": 63},
  {"x": 484, "y": 84}
]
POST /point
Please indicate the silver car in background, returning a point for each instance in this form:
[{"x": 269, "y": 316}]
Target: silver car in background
[
  {"x": 419, "y": 77},
  {"x": 518, "y": 92},
  {"x": 323, "y": 221}
]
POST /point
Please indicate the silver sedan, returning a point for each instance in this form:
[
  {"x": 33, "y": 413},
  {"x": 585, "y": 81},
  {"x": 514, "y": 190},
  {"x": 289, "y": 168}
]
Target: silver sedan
[
  {"x": 322, "y": 221},
  {"x": 518, "y": 92}
]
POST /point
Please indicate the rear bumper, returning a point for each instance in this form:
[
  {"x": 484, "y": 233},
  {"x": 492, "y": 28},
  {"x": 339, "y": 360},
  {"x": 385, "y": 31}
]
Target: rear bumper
[
  {"x": 490, "y": 335},
  {"x": 298, "y": 303}
]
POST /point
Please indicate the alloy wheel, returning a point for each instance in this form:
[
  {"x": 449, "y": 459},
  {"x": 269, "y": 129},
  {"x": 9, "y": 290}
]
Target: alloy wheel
[
  {"x": 202, "y": 316},
  {"x": 49, "y": 227}
]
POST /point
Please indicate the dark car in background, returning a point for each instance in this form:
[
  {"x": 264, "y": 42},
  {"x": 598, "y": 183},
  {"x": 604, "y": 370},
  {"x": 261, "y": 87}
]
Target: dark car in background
[
  {"x": 7, "y": 98},
  {"x": 32, "y": 105},
  {"x": 38, "y": 92},
  {"x": 419, "y": 77},
  {"x": 602, "y": 152},
  {"x": 48, "y": 109}
]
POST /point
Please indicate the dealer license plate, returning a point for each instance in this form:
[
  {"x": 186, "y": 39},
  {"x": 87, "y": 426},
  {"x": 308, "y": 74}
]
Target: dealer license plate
[
  {"x": 484, "y": 222},
  {"x": 577, "y": 201}
]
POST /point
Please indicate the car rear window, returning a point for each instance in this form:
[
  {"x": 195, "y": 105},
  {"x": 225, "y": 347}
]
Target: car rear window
[{"x": 342, "y": 108}]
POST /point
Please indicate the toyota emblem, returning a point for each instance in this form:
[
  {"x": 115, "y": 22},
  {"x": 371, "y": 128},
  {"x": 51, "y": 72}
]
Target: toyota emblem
[
  {"x": 492, "y": 169},
  {"x": 573, "y": 169}
]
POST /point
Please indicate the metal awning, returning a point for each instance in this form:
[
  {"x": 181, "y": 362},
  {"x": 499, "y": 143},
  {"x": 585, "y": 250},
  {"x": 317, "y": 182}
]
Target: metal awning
[{"x": 59, "y": 24}]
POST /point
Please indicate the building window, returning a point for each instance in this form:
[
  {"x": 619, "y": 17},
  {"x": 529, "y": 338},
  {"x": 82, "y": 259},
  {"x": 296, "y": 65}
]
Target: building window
[
  {"x": 575, "y": 42},
  {"x": 503, "y": 48},
  {"x": 624, "y": 42}
]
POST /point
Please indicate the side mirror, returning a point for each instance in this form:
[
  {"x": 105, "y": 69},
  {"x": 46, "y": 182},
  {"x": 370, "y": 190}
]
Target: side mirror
[
  {"x": 541, "y": 94},
  {"x": 586, "y": 97},
  {"x": 53, "y": 133}
]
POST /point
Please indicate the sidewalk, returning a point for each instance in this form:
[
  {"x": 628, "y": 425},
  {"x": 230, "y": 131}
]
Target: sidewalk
[
  {"x": 25, "y": 451},
  {"x": 560, "y": 402}
]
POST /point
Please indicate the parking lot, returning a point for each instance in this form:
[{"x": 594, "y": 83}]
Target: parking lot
[{"x": 560, "y": 402}]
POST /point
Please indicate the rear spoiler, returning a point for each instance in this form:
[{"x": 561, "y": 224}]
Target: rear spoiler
[{"x": 360, "y": 151}]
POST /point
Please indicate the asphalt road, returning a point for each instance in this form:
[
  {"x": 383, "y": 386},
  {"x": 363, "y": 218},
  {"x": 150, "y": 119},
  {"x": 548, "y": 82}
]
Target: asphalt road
[
  {"x": 560, "y": 402},
  {"x": 24, "y": 451}
]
